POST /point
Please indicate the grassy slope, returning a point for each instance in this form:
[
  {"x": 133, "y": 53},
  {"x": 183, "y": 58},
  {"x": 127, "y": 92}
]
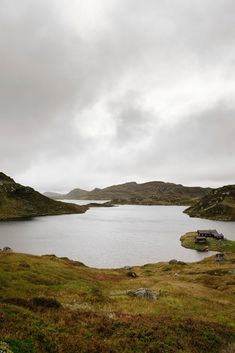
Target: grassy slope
[
  {"x": 17, "y": 201},
  {"x": 218, "y": 205},
  {"x": 195, "y": 313},
  {"x": 150, "y": 193},
  {"x": 225, "y": 245}
]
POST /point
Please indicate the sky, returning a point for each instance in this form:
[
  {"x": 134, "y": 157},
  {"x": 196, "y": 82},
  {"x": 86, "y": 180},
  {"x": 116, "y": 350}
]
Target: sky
[{"x": 95, "y": 93}]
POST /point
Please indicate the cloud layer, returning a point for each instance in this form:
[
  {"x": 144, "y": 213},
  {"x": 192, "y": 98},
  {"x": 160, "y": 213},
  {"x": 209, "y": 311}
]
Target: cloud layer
[{"x": 94, "y": 93}]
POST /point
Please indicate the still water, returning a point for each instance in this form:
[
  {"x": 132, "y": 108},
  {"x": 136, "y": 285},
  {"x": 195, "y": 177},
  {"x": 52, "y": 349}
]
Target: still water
[{"x": 111, "y": 237}]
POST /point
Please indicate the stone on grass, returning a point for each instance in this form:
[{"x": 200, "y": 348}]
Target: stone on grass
[
  {"x": 4, "y": 347},
  {"x": 127, "y": 267},
  {"x": 232, "y": 271},
  {"x": 145, "y": 293},
  {"x": 132, "y": 274},
  {"x": 220, "y": 257}
]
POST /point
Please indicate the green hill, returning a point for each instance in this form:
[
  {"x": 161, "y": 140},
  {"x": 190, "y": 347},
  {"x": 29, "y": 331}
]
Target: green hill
[
  {"x": 219, "y": 205},
  {"x": 17, "y": 201},
  {"x": 55, "y": 305},
  {"x": 150, "y": 193}
]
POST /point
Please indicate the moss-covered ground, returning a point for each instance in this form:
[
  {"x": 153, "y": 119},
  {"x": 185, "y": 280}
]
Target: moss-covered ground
[{"x": 50, "y": 304}]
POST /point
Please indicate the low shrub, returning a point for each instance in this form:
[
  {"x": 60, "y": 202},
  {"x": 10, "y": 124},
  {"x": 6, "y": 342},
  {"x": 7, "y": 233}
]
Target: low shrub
[{"x": 44, "y": 302}]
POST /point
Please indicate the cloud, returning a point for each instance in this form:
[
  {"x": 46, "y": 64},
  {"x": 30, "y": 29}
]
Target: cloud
[{"x": 95, "y": 93}]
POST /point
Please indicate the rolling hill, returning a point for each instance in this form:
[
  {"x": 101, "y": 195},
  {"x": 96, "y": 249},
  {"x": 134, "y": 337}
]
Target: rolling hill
[
  {"x": 219, "y": 205},
  {"x": 56, "y": 305},
  {"x": 150, "y": 193},
  {"x": 18, "y": 201}
]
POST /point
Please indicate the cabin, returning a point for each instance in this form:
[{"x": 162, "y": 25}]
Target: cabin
[
  {"x": 200, "y": 240},
  {"x": 210, "y": 233}
]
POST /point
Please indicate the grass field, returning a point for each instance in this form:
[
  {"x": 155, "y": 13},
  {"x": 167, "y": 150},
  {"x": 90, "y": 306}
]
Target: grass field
[{"x": 50, "y": 304}]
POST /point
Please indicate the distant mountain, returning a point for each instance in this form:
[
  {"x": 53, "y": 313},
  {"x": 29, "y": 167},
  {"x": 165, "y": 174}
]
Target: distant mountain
[
  {"x": 150, "y": 193},
  {"x": 17, "y": 201},
  {"x": 79, "y": 193},
  {"x": 219, "y": 205}
]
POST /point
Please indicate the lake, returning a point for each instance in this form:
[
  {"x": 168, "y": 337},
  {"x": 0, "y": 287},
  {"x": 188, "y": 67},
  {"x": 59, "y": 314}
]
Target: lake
[{"x": 111, "y": 237}]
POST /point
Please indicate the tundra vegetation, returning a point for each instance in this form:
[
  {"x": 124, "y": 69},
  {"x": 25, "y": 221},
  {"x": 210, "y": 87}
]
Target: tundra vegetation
[
  {"x": 218, "y": 205},
  {"x": 56, "y": 305},
  {"x": 18, "y": 201}
]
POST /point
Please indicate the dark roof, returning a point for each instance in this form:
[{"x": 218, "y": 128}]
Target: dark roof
[{"x": 209, "y": 231}]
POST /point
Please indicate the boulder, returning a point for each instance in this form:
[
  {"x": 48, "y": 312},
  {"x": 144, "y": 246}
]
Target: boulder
[
  {"x": 173, "y": 261},
  {"x": 145, "y": 293},
  {"x": 220, "y": 257},
  {"x": 6, "y": 249},
  {"x": 132, "y": 274},
  {"x": 181, "y": 263}
]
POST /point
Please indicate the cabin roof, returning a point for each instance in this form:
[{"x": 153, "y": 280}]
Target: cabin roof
[{"x": 211, "y": 231}]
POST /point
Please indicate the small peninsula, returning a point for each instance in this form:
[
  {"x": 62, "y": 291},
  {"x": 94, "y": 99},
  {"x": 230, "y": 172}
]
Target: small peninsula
[
  {"x": 19, "y": 202},
  {"x": 218, "y": 205},
  {"x": 212, "y": 244}
]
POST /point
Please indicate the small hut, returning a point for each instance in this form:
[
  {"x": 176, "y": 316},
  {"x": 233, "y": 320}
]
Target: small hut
[
  {"x": 200, "y": 240},
  {"x": 210, "y": 233}
]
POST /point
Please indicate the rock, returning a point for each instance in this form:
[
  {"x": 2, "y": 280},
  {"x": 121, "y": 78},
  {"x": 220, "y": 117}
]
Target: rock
[
  {"x": 132, "y": 274},
  {"x": 181, "y": 263},
  {"x": 4, "y": 348},
  {"x": 6, "y": 249},
  {"x": 220, "y": 257},
  {"x": 173, "y": 261},
  {"x": 145, "y": 293},
  {"x": 127, "y": 267},
  {"x": 232, "y": 271}
]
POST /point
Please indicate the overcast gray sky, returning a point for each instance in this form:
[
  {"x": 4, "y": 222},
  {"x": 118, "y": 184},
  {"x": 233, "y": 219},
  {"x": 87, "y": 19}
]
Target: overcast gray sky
[{"x": 94, "y": 92}]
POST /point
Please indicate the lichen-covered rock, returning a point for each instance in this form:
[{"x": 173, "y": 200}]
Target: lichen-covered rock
[
  {"x": 4, "y": 348},
  {"x": 145, "y": 293}
]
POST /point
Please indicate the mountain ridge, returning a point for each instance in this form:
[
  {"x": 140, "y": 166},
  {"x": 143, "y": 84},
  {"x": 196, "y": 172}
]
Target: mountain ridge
[{"x": 148, "y": 193}]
